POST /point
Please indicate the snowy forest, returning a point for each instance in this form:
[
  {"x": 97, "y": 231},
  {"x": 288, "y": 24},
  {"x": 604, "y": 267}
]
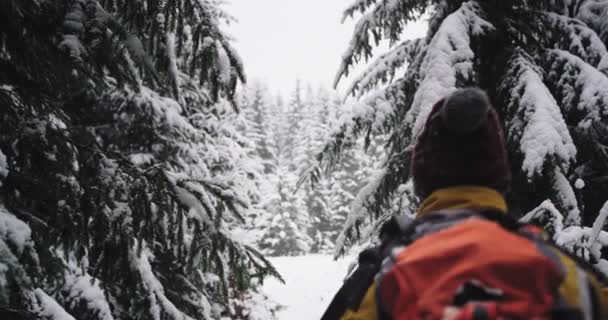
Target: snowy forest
[
  {"x": 285, "y": 135},
  {"x": 142, "y": 176}
]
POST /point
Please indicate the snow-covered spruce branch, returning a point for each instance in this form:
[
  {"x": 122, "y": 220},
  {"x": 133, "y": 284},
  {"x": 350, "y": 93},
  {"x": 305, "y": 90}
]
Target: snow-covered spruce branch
[
  {"x": 82, "y": 293},
  {"x": 583, "y": 241},
  {"x": 358, "y": 213},
  {"x": 540, "y": 132},
  {"x": 383, "y": 69},
  {"x": 359, "y": 6},
  {"x": 578, "y": 85},
  {"x": 160, "y": 306},
  {"x": 375, "y": 202},
  {"x": 371, "y": 116},
  {"x": 545, "y": 133},
  {"x": 575, "y": 37},
  {"x": 385, "y": 20},
  {"x": 595, "y": 15},
  {"x": 15, "y": 244}
]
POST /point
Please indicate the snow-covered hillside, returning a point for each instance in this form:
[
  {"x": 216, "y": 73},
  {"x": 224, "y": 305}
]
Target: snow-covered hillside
[{"x": 310, "y": 283}]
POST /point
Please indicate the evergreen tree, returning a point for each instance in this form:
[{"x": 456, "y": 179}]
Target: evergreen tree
[
  {"x": 292, "y": 125},
  {"x": 285, "y": 232},
  {"x": 257, "y": 111},
  {"x": 121, "y": 170},
  {"x": 285, "y": 229},
  {"x": 329, "y": 200},
  {"x": 315, "y": 127},
  {"x": 543, "y": 63}
]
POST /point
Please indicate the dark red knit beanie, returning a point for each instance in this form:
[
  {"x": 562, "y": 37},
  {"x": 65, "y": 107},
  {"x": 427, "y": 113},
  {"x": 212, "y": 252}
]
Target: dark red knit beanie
[{"x": 461, "y": 144}]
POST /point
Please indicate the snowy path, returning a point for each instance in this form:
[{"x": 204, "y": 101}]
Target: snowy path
[{"x": 311, "y": 282}]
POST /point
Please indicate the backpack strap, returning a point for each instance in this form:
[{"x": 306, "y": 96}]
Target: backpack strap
[{"x": 355, "y": 286}]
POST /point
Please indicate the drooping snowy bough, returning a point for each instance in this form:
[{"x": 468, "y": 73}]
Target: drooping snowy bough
[{"x": 544, "y": 64}]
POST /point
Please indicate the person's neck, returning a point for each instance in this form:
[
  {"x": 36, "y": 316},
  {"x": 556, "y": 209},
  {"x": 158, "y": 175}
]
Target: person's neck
[{"x": 463, "y": 197}]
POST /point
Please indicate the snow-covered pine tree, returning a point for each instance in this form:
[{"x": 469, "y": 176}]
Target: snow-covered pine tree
[
  {"x": 293, "y": 112},
  {"x": 259, "y": 122},
  {"x": 257, "y": 111},
  {"x": 121, "y": 172},
  {"x": 328, "y": 200},
  {"x": 307, "y": 137},
  {"x": 319, "y": 113},
  {"x": 284, "y": 233},
  {"x": 285, "y": 229},
  {"x": 545, "y": 66}
]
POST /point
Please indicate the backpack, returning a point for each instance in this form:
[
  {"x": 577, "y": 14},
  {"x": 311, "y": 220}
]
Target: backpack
[{"x": 461, "y": 264}]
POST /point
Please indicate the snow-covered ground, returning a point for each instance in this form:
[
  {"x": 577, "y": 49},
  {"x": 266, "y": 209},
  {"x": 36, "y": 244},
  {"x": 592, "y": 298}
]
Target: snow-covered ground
[{"x": 310, "y": 283}]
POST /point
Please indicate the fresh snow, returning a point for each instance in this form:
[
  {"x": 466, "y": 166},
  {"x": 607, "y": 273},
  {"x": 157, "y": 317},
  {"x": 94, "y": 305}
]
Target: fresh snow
[
  {"x": 587, "y": 91},
  {"x": 599, "y": 223},
  {"x": 47, "y": 308},
  {"x": 3, "y": 166},
  {"x": 595, "y": 14},
  {"x": 310, "y": 284},
  {"x": 141, "y": 158},
  {"x": 566, "y": 197},
  {"x": 223, "y": 63},
  {"x": 555, "y": 218},
  {"x": 159, "y": 303},
  {"x": 384, "y": 67},
  {"x": 545, "y": 133},
  {"x": 574, "y": 237},
  {"x": 13, "y": 230},
  {"x": 85, "y": 289},
  {"x": 580, "y": 40},
  {"x": 358, "y": 211},
  {"x": 171, "y": 54}
]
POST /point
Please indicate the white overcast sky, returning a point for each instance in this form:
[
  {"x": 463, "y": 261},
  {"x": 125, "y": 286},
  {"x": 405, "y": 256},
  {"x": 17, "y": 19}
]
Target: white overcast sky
[{"x": 282, "y": 40}]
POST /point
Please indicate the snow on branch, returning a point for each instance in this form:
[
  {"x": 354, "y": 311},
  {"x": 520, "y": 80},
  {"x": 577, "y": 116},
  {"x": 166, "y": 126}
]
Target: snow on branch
[
  {"x": 357, "y": 6},
  {"x": 46, "y": 307},
  {"x": 223, "y": 65},
  {"x": 9, "y": 265},
  {"x": 370, "y": 115},
  {"x": 599, "y": 224},
  {"x": 448, "y": 59},
  {"x": 374, "y": 201},
  {"x": 206, "y": 199},
  {"x": 540, "y": 130},
  {"x": 74, "y": 26},
  {"x": 583, "y": 241},
  {"x": 81, "y": 290},
  {"x": 15, "y": 232},
  {"x": 595, "y": 14},
  {"x": 546, "y": 215},
  {"x": 3, "y": 167},
  {"x": 565, "y": 197},
  {"x": 160, "y": 305},
  {"x": 358, "y": 212},
  {"x": 172, "y": 58},
  {"x": 580, "y": 85},
  {"x": 577, "y": 38},
  {"x": 385, "y": 66},
  {"x": 235, "y": 60},
  {"x": 385, "y": 21}
]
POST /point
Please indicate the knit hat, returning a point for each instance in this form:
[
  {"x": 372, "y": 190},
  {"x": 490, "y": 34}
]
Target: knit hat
[{"x": 461, "y": 144}]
